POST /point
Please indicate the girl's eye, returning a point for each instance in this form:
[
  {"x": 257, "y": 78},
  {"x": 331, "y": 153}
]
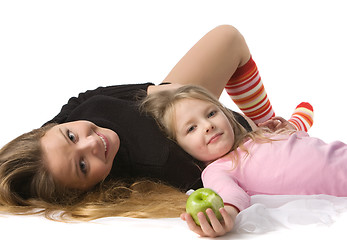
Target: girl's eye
[
  {"x": 71, "y": 136},
  {"x": 211, "y": 114},
  {"x": 83, "y": 166}
]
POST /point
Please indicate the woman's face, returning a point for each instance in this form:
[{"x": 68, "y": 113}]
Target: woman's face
[{"x": 79, "y": 154}]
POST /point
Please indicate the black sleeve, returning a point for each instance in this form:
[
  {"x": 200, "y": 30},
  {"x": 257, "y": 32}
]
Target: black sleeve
[
  {"x": 182, "y": 170},
  {"x": 126, "y": 92},
  {"x": 242, "y": 121}
]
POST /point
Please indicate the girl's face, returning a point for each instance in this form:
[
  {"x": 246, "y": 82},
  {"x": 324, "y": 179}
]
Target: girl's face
[
  {"x": 79, "y": 154},
  {"x": 202, "y": 129}
]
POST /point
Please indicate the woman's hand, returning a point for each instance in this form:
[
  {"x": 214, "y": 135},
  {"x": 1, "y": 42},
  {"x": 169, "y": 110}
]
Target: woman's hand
[
  {"x": 277, "y": 123},
  {"x": 216, "y": 228},
  {"x": 157, "y": 88}
]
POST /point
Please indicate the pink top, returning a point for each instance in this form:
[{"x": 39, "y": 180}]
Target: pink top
[{"x": 294, "y": 165}]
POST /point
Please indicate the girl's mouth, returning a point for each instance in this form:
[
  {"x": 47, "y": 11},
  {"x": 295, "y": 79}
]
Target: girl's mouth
[{"x": 214, "y": 138}]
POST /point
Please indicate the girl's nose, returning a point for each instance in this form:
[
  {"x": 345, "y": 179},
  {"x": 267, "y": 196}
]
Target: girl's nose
[{"x": 209, "y": 127}]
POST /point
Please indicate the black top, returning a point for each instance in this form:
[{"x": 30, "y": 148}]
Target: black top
[{"x": 144, "y": 150}]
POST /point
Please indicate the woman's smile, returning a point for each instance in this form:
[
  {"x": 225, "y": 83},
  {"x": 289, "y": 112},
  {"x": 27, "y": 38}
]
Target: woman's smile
[{"x": 104, "y": 141}]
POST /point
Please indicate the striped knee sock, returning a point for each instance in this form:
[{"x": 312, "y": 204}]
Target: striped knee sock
[
  {"x": 302, "y": 118},
  {"x": 247, "y": 91}
]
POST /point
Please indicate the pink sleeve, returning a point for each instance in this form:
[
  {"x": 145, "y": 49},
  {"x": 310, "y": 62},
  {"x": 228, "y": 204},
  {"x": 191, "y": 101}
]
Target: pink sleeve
[{"x": 218, "y": 177}]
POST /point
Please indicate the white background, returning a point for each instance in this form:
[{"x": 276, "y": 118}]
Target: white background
[{"x": 52, "y": 50}]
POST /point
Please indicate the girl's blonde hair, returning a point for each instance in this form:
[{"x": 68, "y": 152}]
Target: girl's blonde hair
[
  {"x": 27, "y": 187},
  {"x": 161, "y": 105}
]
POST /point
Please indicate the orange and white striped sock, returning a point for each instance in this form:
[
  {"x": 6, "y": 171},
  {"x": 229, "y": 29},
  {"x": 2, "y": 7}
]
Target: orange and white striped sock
[
  {"x": 302, "y": 118},
  {"x": 247, "y": 91}
]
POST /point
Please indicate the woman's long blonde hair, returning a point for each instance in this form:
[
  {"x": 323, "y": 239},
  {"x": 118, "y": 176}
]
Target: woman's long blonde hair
[{"x": 27, "y": 187}]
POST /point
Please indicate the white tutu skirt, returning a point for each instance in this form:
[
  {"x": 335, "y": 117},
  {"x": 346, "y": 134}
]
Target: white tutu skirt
[{"x": 268, "y": 213}]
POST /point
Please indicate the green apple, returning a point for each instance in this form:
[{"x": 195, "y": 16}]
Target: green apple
[{"x": 202, "y": 199}]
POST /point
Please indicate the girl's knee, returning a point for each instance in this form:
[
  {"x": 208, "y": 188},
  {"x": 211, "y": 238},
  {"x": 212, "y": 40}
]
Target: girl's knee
[
  {"x": 228, "y": 33},
  {"x": 227, "y": 30}
]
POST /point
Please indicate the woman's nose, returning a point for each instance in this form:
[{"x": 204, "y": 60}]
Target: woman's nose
[{"x": 89, "y": 144}]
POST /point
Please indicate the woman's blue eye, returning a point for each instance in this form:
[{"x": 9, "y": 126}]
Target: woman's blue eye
[
  {"x": 71, "y": 136},
  {"x": 83, "y": 166},
  {"x": 190, "y": 129}
]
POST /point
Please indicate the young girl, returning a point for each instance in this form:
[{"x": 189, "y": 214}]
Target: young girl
[{"x": 241, "y": 164}]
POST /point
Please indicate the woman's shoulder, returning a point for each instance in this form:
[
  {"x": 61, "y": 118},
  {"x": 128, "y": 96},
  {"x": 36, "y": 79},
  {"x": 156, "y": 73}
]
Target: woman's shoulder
[
  {"x": 127, "y": 92},
  {"x": 124, "y": 91}
]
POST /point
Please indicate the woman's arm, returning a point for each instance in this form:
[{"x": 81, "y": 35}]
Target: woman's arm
[
  {"x": 277, "y": 123},
  {"x": 216, "y": 228},
  {"x": 251, "y": 123}
]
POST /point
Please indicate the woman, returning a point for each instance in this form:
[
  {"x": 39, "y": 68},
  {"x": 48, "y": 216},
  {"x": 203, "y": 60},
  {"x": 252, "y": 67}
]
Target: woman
[{"x": 90, "y": 160}]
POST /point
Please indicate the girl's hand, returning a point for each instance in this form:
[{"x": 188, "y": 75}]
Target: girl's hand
[
  {"x": 215, "y": 229},
  {"x": 277, "y": 123}
]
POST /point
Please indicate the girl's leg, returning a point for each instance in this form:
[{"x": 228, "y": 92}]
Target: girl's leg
[
  {"x": 212, "y": 60},
  {"x": 247, "y": 91},
  {"x": 302, "y": 118},
  {"x": 222, "y": 59}
]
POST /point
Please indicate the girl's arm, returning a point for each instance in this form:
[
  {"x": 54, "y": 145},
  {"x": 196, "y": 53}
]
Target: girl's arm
[{"x": 216, "y": 228}]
